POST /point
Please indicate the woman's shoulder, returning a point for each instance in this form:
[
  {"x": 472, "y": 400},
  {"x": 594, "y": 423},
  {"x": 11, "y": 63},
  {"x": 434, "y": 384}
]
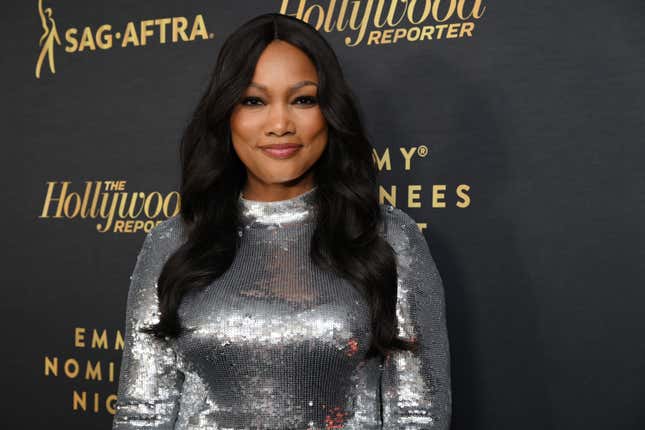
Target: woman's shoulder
[
  {"x": 159, "y": 243},
  {"x": 392, "y": 213},
  {"x": 167, "y": 235},
  {"x": 396, "y": 219},
  {"x": 399, "y": 228}
]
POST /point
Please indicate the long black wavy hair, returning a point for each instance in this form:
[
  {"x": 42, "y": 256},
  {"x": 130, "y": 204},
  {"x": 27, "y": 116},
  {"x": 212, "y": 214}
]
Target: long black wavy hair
[{"x": 346, "y": 238}]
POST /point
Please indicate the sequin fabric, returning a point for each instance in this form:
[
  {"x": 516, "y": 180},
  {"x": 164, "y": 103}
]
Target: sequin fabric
[{"x": 277, "y": 343}]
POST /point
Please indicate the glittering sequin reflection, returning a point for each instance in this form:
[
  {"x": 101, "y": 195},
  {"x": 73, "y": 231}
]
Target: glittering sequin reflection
[{"x": 276, "y": 343}]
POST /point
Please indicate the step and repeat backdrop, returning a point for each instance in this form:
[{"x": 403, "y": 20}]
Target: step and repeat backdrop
[{"x": 511, "y": 131}]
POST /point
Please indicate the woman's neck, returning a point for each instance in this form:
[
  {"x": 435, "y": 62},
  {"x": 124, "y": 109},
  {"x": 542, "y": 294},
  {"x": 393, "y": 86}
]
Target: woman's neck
[{"x": 297, "y": 209}]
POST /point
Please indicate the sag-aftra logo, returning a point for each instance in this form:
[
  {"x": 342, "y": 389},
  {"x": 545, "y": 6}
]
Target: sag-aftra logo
[{"x": 131, "y": 34}]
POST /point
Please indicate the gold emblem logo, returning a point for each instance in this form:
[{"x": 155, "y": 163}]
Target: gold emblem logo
[
  {"x": 47, "y": 40},
  {"x": 177, "y": 29}
]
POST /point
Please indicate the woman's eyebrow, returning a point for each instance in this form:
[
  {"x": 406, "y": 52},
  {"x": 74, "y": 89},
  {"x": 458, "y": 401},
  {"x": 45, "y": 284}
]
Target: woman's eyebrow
[{"x": 293, "y": 88}]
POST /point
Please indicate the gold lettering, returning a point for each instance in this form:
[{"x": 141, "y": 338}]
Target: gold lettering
[
  {"x": 440, "y": 28},
  {"x": 390, "y": 13},
  {"x": 79, "y": 337},
  {"x": 99, "y": 341},
  {"x": 390, "y": 197},
  {"x": 407, "y": 155},
  {"x": 104, "y": 37},
  {"x": 360, "y": 26},
  {"x": 159, "y": 205},
  {"x": 299, "y": 12},
  {"x": 437, "y": 194},
  {"x": 108, "y": 215},
  {"x": 378, "y": 15},
  {"x": 79, "y": 400},
  {"x": 49, "y": 199},
  {"x": 75, "y": 200},
  {"x": 71, "y": 368},
  {"x": 162, "y": 28},
  {"x": 467, "y": 28},
  {"x": 51, "y": 366},
  {"x": 448, "y": 14},
  {"x": 424, "y": 14},
  {"x": 70, "y": 37},
  {"x": 109, "y": 403},
  {"x": 393, "y": 14},
  {"x": 199, "y": 28},
  {"x": 108, "y": 205},
  {"x": 474, "y": 13},
  {"x": 168, "y": 199},
  {"x": 179, "y": 26},
  {"x": 452, "y": 31},
  {"x": 321, "y": 16},
  {"x": 382, "y": 161},
  {"x": 427, "y": 32},
  {"x": 87, "y": 41},
  {"x": 145, "y": 31},
  {"x": 386, "y": 35},
  {"x": 130, "y": 35},
  {"x": 93, "y": 372},
  {"x": 118, "y": 344},
  {"x": 465, "y": 202},
  {"x": 413, "y": 196}
]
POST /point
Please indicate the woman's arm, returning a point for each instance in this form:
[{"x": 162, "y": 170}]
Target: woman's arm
[
  {"x": 149, "y": 382},
  {"x": 415, "y": 387}
]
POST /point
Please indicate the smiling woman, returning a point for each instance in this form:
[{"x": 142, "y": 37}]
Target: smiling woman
[
  {"x": 284, "y": 295},
  {"x": 277, "y": 119}
]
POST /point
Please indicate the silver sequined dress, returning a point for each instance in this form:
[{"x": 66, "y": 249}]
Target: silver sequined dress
[{"x": 276, "y": 343}]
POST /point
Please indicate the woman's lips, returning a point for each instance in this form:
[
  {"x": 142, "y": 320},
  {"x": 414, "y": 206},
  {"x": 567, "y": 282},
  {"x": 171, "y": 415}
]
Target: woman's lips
[{"x": 281, "y": 151}]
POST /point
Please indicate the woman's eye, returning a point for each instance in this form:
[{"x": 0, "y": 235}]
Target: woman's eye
[
  {"x": 309, "y": 100},
  {"x": 255, "y": 101},
  {"x": 250, "y": 101}
]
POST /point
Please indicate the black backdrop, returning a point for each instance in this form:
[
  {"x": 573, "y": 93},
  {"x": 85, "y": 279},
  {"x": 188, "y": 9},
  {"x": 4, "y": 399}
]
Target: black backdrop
[{"x": 526, "y": 176}]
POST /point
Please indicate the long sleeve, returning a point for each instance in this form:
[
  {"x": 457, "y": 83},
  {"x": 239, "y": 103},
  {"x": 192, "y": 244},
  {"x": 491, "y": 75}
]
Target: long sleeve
[
  {"x": 415, "y": 387},
  {"x": 149, "y": 382}
]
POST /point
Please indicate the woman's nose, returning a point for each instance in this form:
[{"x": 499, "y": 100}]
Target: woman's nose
[{"x": 279, "y": 119}]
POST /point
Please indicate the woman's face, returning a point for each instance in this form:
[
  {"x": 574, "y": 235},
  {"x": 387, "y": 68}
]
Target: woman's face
[{"x": 280, "y": 106}]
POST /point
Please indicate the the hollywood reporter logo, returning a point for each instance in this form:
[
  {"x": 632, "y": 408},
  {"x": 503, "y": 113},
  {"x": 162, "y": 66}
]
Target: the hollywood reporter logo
[{"x": 118, "y": 210}]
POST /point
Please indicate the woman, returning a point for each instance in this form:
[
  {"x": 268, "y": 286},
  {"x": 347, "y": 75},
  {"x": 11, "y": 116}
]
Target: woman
[{"x": 283, "y": 296}]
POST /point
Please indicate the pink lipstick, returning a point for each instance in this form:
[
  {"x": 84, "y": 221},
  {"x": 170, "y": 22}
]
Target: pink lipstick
[{"x": 281, "y": 150}]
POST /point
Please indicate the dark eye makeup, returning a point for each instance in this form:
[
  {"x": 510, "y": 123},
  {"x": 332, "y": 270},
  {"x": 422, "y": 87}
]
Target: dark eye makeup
[{"x": 255, "y": 101}]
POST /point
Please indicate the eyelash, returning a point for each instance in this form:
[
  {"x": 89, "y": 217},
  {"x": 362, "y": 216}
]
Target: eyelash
[{"x": 311, "y": 100}]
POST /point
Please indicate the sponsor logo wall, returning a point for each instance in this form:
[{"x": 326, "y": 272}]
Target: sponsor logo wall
[{"x": 510, "y": 131}]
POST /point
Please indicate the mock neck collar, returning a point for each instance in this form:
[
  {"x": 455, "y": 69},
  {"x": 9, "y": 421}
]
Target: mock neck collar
[{"x": 278, "y": 212}]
